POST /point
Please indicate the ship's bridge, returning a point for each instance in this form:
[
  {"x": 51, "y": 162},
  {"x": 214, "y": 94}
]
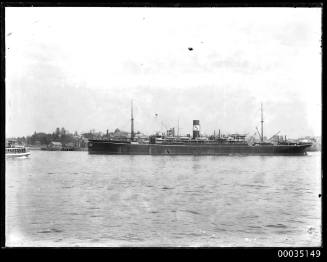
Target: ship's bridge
[{"x": 237, "y": 137}]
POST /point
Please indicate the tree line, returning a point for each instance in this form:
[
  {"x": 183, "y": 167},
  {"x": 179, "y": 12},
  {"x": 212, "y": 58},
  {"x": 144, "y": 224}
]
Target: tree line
[{"x": 59, "y": 135}]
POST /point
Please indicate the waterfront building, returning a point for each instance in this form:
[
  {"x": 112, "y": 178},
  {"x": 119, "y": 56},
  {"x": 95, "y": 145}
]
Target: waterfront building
[{"x": 55, "y": 146}]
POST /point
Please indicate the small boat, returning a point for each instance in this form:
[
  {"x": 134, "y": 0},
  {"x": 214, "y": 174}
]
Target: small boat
[{"x": 13, "y": 150}]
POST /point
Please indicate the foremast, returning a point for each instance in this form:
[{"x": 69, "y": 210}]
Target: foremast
[
  {"x": 261, "y": 124},
  {"x": 132, "y": 122}
]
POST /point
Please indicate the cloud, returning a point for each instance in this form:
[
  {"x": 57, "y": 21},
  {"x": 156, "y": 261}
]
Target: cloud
[{"x": 82, "y": 74}]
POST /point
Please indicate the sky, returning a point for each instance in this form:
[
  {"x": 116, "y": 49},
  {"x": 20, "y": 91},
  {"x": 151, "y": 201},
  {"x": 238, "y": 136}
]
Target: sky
[{"x": 79, "y": 68}]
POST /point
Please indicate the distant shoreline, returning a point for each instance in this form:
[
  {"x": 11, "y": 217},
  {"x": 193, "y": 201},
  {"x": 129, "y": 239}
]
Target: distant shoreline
[{"x": 45, "y": 149}]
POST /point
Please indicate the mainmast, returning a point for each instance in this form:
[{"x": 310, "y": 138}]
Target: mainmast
[
  {"x": 132, "y": 122},
  {"x": 178, "y": 128},
  {"x": 261, "y": 124}
]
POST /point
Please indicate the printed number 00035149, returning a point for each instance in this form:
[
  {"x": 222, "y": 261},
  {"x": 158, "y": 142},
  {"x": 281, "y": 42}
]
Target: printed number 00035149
[{"x": 298, "y": 253}]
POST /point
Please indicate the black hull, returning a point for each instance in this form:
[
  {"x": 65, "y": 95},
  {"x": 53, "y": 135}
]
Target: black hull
[{"x": 125, "y": 148}]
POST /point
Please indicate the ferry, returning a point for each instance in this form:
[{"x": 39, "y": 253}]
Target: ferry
[{"x": 13, "y": 150}]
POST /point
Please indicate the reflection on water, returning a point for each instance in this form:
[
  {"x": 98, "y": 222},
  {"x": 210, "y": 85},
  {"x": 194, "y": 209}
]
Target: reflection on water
[{"x": 76, "y": 199}]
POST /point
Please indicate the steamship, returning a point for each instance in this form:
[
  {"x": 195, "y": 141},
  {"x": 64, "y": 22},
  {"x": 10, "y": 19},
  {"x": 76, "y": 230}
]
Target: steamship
[{"x": 170, "y": 144}]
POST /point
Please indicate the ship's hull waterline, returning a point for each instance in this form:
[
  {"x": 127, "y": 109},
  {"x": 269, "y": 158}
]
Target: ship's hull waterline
[
  {"x": 14, "y": 155},
  {"x": 115, "y": 148}
]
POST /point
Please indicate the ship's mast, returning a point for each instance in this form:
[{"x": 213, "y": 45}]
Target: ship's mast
[
  {"x": 178, "y": 128},
  {"x": 132, "y": 122},
  {"x": 261, "y": 124}
]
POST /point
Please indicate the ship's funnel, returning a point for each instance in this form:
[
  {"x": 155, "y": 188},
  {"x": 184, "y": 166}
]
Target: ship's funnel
[{"x": 196, "y": 128}]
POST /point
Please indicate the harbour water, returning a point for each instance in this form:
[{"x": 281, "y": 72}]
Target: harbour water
[{"x": 56, "y": 198}]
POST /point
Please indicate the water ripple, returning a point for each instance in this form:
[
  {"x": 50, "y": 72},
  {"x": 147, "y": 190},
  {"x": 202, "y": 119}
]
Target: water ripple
[
  {"x": 276, "y": 226},
  {"x": 192, "y": 212},
  {"x": 51, "y": 230}
]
